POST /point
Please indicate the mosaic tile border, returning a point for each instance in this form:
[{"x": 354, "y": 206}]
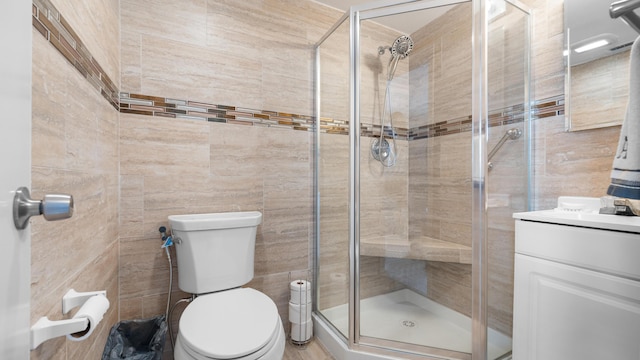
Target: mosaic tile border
[
  {"x": 48, "y": 21},
  {"x": 140, "y": 104},
  {"x": 187, "y": 109},
  {"x": 510, "y": 115}
]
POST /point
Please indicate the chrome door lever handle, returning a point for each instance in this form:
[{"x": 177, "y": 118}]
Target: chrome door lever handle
[{"x": 51, "y": 207}]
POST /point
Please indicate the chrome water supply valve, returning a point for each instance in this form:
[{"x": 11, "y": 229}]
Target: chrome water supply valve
[{"x": 168, "y": 240}]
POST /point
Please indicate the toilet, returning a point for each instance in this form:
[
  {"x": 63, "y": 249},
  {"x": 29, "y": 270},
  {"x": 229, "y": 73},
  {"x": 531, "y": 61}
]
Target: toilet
[{"x": 225, "y": 321}]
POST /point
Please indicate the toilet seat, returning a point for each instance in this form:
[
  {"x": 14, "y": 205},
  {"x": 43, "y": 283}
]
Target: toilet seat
[
  {"x": 274, "y": 350},
  {"x": 239, "y": 323}
]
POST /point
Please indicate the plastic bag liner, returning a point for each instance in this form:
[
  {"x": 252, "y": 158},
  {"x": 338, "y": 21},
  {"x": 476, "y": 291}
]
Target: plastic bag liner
[{"x": 136, "y": 340}]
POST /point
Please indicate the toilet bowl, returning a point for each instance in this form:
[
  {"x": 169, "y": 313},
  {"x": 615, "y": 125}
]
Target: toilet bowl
[
  {"x": 224, "y": 321},
  {"x": 234, "y": 324}
]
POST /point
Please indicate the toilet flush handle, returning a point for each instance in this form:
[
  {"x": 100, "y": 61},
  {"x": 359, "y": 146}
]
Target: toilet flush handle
[{"x": 52, "y": 207}]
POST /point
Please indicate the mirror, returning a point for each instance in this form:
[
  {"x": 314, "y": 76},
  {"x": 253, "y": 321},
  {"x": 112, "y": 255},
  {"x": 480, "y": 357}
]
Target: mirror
[{"x": 597, "y": 79}]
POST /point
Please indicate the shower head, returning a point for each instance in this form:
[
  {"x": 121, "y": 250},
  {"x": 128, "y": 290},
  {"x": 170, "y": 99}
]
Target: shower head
[{"x": 401, "y": 47}]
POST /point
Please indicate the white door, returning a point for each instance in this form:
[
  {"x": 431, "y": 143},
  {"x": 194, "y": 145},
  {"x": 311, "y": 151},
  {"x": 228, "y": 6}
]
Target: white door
[{"x": 15, "y": 155}]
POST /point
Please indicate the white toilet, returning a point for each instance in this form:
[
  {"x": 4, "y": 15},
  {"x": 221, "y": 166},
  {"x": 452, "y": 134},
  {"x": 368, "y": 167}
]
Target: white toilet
[{"x": 215, "y": 257}]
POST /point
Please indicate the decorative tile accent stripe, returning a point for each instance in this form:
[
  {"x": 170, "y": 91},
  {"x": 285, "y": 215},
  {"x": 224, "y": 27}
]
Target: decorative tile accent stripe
[
  {"x": 548, "y": 107},
  {"x": 48, "y": 21},
  {"x": 186, "y": 109},
  {"x": 509, "y": 115},
  {"x": 54, "y": 27},
  {"x": 441, "y": 128}
]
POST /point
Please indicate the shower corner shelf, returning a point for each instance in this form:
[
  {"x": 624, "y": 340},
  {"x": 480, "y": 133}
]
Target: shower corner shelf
[{"x": 422, "y": 248}]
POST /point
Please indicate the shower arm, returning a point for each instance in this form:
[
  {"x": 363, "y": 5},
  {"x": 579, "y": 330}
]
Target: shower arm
[
  {"x": 511, "y": 134},
  {"x": 624, "y": 9}
]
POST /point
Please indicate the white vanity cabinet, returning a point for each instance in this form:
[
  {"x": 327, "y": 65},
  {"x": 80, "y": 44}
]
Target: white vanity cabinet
[{"x": 577, "y": 286}]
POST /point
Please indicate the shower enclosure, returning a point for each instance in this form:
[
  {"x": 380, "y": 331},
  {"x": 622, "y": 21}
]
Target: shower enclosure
[{"x": 414, "y": 235}]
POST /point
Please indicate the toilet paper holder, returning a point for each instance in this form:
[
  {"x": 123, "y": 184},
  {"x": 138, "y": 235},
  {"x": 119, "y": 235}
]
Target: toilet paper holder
[
  {"x": 45, "y": 329},
  {"x": 73, "y": 298}
]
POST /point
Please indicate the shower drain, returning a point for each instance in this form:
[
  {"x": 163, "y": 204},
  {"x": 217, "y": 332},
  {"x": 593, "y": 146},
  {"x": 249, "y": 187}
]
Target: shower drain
[{"x": 408, "y": 323}]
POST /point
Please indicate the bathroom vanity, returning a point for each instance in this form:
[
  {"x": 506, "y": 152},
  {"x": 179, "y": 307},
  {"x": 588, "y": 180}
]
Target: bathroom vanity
[{"x": 577, "y": 286}]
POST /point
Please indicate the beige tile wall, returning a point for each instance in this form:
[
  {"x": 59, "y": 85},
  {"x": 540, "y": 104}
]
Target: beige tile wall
[
  {"x": 75, "y": 151},
  {"x": 575, "y": 163},
  {"x": 235, "y": 67},
  {"x": 440, "y": 167},
  {"x": 333, "y": 173},
  {"x": 373, "y": 77},
  {"x": 599, "y": 92},
  {"x": 97, "y": 23},
  {"x": 334, "y": 78},
  {"x": 384, "y": 201},
  {"x": 440, "y": 60},
  {"x": 257, "y": 55},
  {"x": 172, "y": 166},
  {"x": 547, "y": 68},
  {"x": 333, "y": 252}
]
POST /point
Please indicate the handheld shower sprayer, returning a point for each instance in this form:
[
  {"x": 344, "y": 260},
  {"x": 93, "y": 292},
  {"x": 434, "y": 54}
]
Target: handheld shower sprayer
[
  {"x": 400, "y": 48},
  {"x": 381, "y": 149}
]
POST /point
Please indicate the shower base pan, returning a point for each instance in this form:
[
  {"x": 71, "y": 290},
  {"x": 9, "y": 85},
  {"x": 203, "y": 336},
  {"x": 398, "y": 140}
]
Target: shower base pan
[{"x": 408, "y": 317}]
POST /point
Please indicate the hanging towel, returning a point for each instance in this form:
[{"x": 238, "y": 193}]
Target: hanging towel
[{"x": 625, "y": 176}]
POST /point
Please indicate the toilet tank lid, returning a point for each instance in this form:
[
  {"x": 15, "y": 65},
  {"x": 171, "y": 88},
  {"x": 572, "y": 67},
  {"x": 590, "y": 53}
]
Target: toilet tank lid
[{"x": 212, "y": 221}]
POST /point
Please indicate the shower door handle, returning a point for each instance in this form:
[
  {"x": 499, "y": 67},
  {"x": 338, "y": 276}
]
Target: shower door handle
[{"x": 52, "y": 207}]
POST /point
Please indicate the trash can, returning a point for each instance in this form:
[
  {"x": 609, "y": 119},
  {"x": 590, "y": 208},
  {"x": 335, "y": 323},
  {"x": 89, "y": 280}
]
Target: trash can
[{"x": 136, "y": 340}]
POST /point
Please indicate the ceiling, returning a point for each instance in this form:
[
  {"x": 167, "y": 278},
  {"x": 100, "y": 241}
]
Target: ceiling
[{"x": 406, "y": 23}]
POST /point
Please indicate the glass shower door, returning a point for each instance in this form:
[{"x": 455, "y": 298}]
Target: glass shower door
[
  {"x": 332, "y": 176},
  {"x": 415, "y": 214},
  {"x": 510, "y": 160}
]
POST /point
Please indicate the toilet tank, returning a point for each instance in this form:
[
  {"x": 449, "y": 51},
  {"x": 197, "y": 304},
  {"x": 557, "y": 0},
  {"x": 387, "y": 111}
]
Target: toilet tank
[{"x": 215, "y": 251}]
